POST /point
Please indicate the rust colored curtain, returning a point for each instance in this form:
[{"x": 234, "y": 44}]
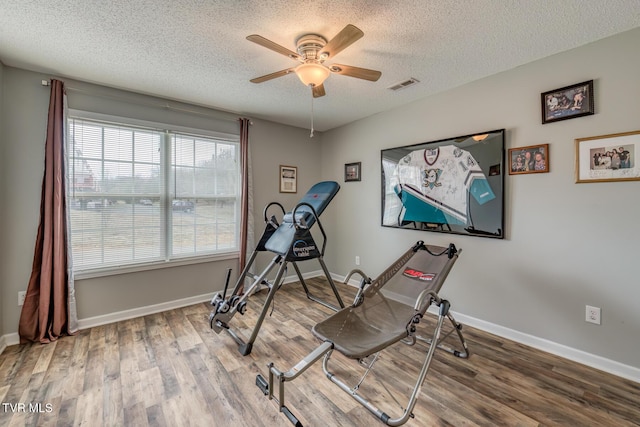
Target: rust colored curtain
[
  {"x": 246, "y": 198},
  {"x": 245, "y": 195},
  {"x": 44, "y": 316}
]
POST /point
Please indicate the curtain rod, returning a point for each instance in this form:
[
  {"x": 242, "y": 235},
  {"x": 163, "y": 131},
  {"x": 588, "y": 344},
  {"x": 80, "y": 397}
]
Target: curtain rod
[{"x": 166, "y": 105}]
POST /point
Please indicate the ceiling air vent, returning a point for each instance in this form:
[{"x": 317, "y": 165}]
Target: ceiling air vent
[{"x": 406, "y": 83}]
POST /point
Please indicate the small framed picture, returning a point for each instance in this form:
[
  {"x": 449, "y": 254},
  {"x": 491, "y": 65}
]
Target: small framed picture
[
  {"x": 531, "y": 159},
  {"x": 567, "y": 102},
  {"x": 288, "y": 179},
  {"x": 352, "y": 172},
  {"x": 608, "y": 158}
]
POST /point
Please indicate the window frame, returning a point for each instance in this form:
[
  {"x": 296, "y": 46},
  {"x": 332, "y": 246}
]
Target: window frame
[{"x": 167, "y": 193}]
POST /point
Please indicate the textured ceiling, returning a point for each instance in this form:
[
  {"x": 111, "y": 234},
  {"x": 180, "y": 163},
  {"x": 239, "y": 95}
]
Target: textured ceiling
[{"x": 196, "y": 51}]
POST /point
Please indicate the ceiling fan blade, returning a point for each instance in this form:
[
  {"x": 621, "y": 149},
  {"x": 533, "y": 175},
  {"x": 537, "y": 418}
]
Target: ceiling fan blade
[
  {"x": 342, "y": 40},
  {"x": 318, "y": 91},
  {"x": 273, "y": 46},
  {"x": 272, "y": 75},
  {"x": 357, "y": 72}
]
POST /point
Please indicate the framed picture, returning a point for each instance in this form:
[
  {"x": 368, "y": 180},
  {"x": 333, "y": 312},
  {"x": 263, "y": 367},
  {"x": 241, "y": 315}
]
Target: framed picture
[
  {"x": 567, "y": 102},
  {"x": 608, "y": 158},
  {"x": 352, "y": 172},
  {"x": 453, "y": 185},
  {"x": 288, "y": 179},
  {"x": 531, "y": 159}
]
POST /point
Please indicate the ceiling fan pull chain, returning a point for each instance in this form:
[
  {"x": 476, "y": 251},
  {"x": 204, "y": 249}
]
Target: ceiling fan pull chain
[{"x": 311, "y": 135}]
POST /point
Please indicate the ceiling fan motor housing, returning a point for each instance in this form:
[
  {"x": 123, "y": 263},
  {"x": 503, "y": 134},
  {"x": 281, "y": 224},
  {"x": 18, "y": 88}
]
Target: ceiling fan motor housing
[{"x": 309, "y": 45}]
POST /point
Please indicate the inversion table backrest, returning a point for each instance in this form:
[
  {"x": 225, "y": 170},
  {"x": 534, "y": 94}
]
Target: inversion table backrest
[
  {"x": 319, "y": 196},
  {"x": 388, "y": 307}
]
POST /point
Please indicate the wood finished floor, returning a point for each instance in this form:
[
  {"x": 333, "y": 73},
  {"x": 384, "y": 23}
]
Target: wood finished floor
[{"x": 171, "y": 369}]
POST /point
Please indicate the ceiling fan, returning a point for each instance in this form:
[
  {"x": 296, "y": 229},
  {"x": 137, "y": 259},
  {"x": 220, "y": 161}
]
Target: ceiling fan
[{"x": 312, "y": 51}]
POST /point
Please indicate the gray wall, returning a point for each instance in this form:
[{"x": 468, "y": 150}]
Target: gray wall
[
  {"x": 25, "y": 104},
  {"x": 21, "y": 166},
  {"x": 273, "y": 145},
  {"x": 567, "y": 244},
  {"x": 3, "y": 180}
]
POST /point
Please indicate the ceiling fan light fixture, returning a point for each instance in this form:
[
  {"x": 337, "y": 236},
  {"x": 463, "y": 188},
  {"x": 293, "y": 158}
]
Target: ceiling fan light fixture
[
  {"x": 312, "y": 74},
  {"x": 479, "y": 138}
]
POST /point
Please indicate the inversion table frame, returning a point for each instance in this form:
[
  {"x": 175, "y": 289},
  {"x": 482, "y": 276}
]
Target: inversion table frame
[
  {"x": 376, "y": 321},
  {"x": 291, "y": 242}
]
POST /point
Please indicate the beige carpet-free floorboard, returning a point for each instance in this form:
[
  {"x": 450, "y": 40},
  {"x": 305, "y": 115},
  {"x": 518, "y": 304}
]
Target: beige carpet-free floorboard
[{"x": 171, "y": 369}]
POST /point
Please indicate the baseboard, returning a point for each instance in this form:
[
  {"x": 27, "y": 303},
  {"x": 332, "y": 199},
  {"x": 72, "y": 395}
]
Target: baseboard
[
  {"x": 105, "y": 319},
  {"x": 9, "y": 340},
  {"x": 117, "y": 316},
  {"x": 310, "y": 275},
  {"x": 579, "y": 356},
  {"x": 569, "y": 353}
]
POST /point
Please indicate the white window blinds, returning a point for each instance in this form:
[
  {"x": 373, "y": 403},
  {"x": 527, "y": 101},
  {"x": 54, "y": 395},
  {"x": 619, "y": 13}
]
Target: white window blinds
[
  {"x": 140, "y": 195},
  {"x": 206, "y": 184}
]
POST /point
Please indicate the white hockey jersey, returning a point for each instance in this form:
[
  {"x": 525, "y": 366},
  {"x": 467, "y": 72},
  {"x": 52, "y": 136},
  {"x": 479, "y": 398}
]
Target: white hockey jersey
[{"x": 434, "y": 184}]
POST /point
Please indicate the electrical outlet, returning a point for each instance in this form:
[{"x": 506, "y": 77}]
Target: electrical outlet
[
  {"x": 593, "y": 314},
  {"x": 357, "y": 260},
  {"x": 21, "y": 296}
]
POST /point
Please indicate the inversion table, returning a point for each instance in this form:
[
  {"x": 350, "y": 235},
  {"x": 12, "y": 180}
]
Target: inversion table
[
  {"x": 385, "y": 312},
  {"x": 291, "y": 242}
]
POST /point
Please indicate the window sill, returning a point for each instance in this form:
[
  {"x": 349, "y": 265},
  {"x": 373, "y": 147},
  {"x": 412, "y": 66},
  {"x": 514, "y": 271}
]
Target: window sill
[{"x": 113, "y": 271}]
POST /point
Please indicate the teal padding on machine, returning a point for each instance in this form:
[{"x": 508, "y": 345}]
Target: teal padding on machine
[{"x": 319, "y": 196}]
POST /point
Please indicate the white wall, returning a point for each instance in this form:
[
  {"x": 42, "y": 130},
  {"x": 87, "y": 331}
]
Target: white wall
[
  {"x": 21, "y": 168},
  {"x": 567, "y": 244}
]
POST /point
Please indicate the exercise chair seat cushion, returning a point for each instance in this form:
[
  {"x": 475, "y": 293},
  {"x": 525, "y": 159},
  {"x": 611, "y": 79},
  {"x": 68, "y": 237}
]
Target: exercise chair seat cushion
[
  {"x": 366, "y": 329},
  {"x": 387, "y": 310}
]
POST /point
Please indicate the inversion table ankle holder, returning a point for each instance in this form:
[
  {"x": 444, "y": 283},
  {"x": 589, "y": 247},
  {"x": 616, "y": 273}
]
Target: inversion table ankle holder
[
  {"x": 386, "y": 312},
  {"x": 291, "y": 242}
]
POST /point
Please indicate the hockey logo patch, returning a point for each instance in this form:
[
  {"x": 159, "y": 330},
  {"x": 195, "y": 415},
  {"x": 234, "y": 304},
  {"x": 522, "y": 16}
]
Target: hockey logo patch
[
  {"x": 430, "y": 178},
  {"x": 418, "y": 275}
]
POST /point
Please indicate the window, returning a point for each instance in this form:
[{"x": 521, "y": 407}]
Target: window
[{"x": 142, "y": 195}]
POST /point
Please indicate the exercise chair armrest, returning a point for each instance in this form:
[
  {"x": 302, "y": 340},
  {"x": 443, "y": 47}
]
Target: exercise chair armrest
[
  {"x": 364, "y": 281},
  {"x": 423, "y": 295},
  {"x": 300, "y": 222},
  {"x": 366, "y": 278},
  {"x": 266, "y": 208}
]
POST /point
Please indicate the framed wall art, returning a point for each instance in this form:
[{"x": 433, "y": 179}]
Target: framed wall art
[
  {"x": 453, "y": 185},
  {"x": 567, "y": 102},
  {"x": 531, "y": 159},
  {"x": 352, "y": 171},
  {"x": 288, "y": 179},
  {"x": 608, "y": 158}
]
